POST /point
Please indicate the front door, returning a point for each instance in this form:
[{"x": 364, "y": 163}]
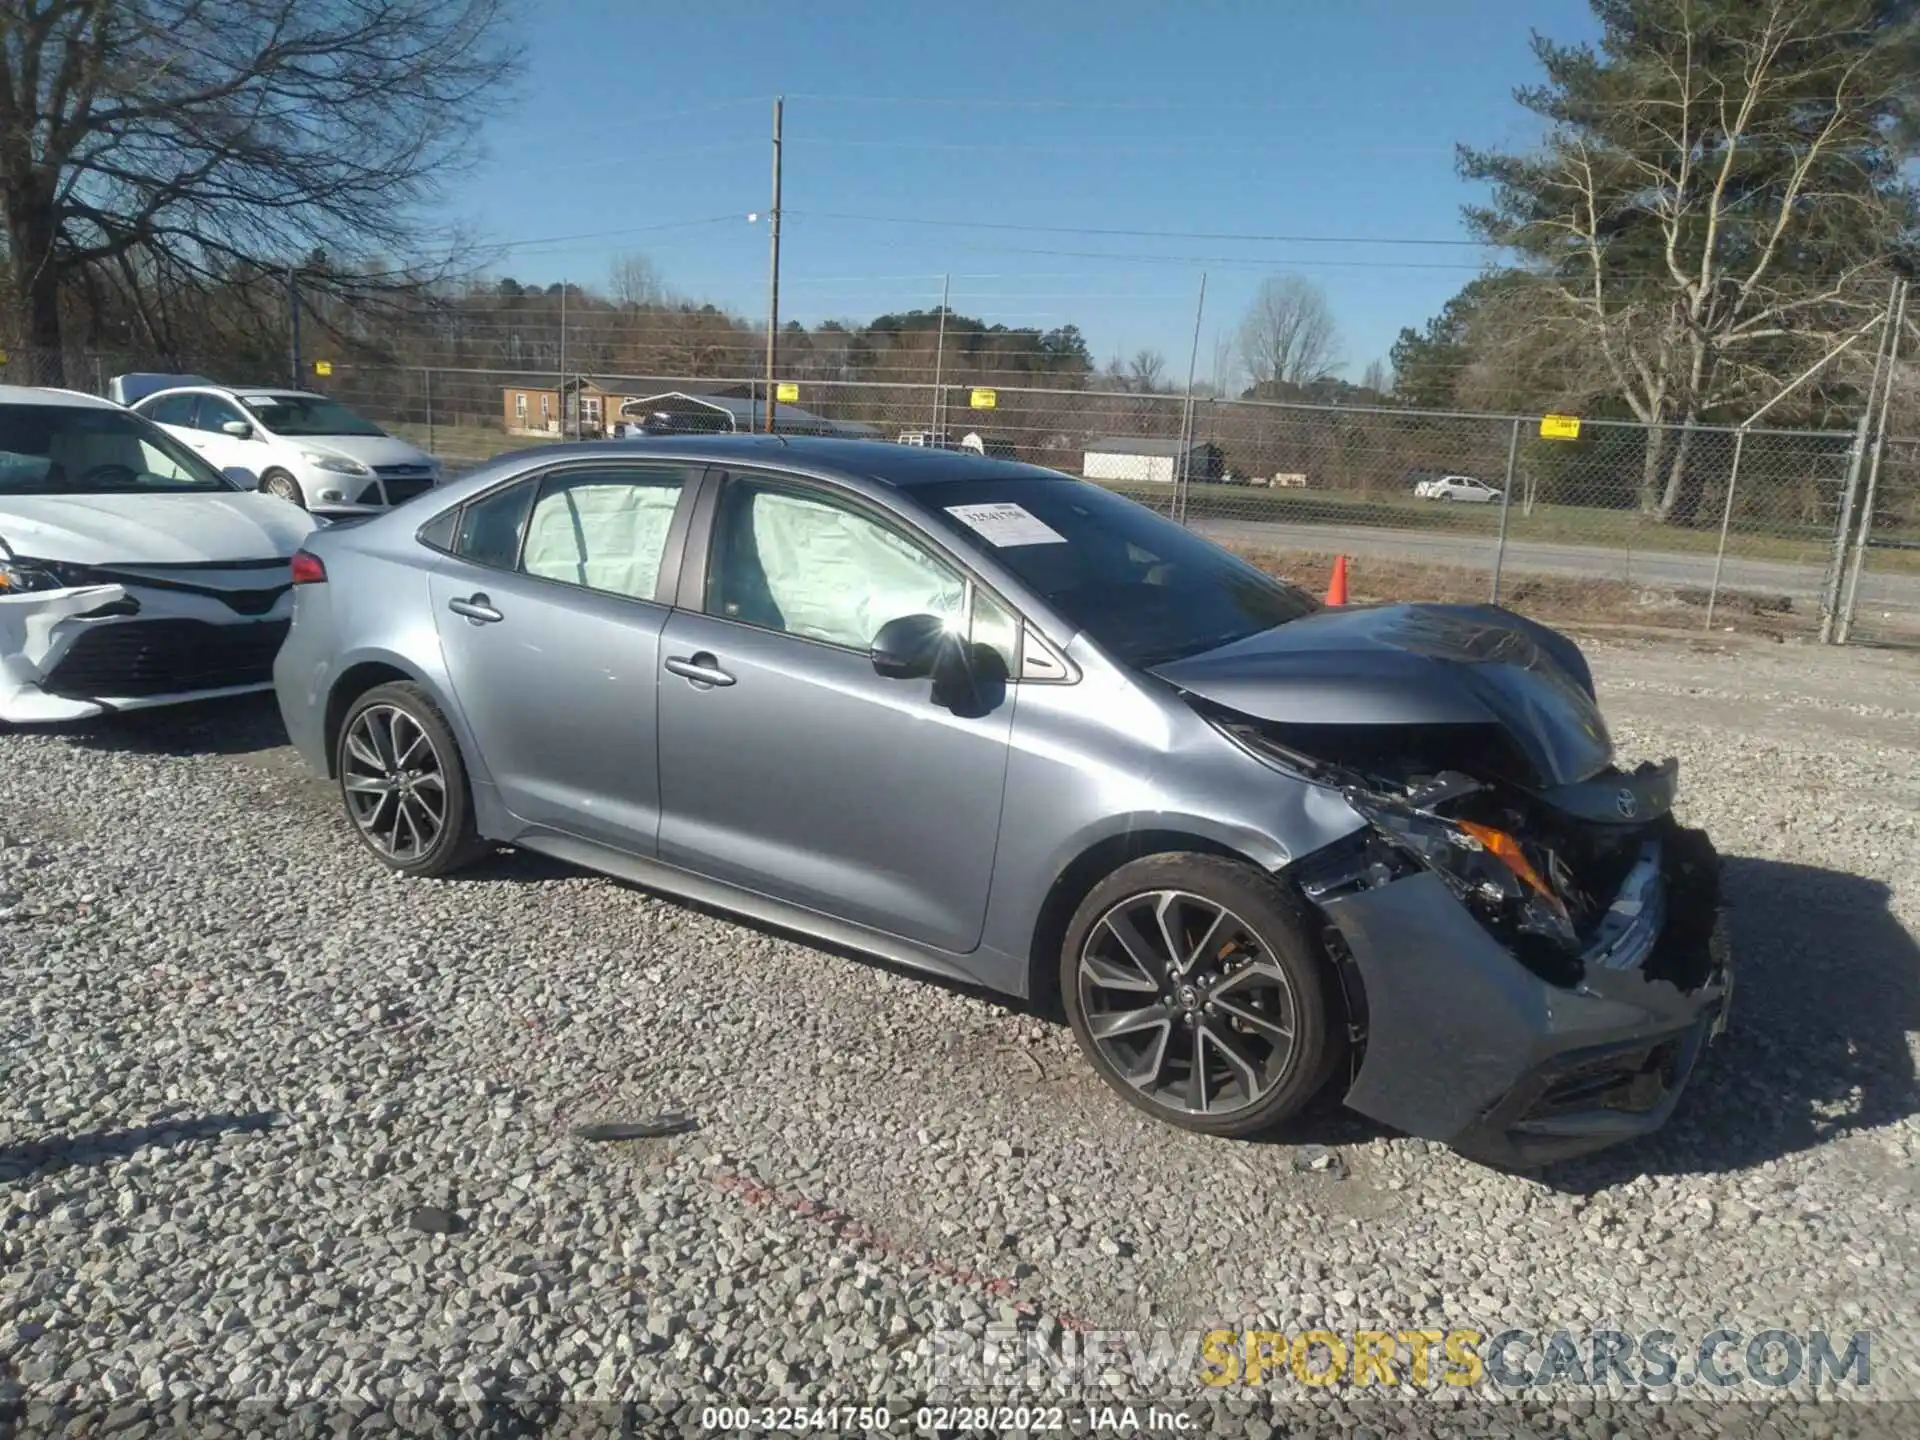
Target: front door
[
  {"x": 223, "y": 450},
  {"x": 550, "y": 615},
  {"x": 790, "y": 768}
]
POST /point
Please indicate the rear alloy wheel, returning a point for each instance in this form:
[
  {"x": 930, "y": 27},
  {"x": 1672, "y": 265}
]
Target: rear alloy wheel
[
  {"x": 1193, "y": 988},
  {"x": 279, "y": 483},
  {"x": 403, "y": 783}
]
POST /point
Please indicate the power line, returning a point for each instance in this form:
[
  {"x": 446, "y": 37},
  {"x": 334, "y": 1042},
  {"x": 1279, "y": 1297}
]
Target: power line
[
  {"x": 608, "y": 234},
  {"x": 1127, "y": 234}
]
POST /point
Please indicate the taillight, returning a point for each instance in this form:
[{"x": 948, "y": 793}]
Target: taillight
[{"x": 307, "y": 569}]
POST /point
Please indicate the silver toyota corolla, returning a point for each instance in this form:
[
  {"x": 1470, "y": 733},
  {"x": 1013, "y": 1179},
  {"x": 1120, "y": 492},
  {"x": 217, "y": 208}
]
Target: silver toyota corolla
[{"x": 1010, "y": 727}]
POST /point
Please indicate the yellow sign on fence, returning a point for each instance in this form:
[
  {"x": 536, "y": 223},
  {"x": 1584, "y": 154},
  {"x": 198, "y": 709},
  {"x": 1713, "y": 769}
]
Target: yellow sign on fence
[
  {"x": 323, "y": 367},
  {"x": 1560, "y": 427},
  {"x": 984, "y": 399},
  {"x": 786, "y": 392}
]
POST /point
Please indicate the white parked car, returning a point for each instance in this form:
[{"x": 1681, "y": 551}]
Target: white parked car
[
  {"x": 132, "y": 572},
  {"x": 1456, "y": 487},
  {"x": 302, "y": 447}
]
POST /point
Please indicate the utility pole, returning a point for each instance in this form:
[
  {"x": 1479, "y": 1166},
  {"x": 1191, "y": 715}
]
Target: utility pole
[
  {"x": 293, "y": 326},
  {"x": 1873, "y": 466},
  {"x": 1183, "y": 479},
  {"x": 773, "y": 266},
  {"x": 566, "y": 418},
  {"x": 940, "y": 353}
]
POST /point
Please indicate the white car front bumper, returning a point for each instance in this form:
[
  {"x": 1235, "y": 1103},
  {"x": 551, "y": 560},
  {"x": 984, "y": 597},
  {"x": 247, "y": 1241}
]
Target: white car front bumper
[{"x": 54, "y": 664}]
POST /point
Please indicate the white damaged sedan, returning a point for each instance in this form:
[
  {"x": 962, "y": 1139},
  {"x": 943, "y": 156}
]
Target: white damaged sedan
[{"x": 132, "y": 573}]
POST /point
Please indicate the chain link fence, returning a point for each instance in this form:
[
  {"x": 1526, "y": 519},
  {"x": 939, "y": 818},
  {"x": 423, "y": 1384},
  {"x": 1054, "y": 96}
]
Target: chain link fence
[{"x": 1698, "y": 528}]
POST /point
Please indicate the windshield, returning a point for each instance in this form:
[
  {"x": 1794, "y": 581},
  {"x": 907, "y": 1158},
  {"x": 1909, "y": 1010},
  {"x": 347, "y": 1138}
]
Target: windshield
[
  {"x": 80, "y": 450},
  {"x": 1147, "y": 590},
  {"x": 307, "y": 415}
]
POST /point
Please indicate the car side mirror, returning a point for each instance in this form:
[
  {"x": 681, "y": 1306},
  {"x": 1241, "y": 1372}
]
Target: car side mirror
[
  {"x": 908, "y": 647},
  {"x": 242, "y": 477},
  {"x": 238, "y": 429}
]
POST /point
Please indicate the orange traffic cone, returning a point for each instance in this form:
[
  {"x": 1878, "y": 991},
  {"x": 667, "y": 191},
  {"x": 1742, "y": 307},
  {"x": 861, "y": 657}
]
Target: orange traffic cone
[{"x": 1337, "y": 591}]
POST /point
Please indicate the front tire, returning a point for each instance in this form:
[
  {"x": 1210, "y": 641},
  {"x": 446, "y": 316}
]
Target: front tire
[
  {"x": 282, "y": 485},
  {"x": 1195, "y": 989},
  {"x": 404, "y": 784}
]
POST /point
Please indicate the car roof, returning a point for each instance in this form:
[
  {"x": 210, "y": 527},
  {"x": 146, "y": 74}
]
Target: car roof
[
  {"x": 47, "y": 395},
  {"x": 890, "y": 463},
  {"x": 230, "y": 391}
]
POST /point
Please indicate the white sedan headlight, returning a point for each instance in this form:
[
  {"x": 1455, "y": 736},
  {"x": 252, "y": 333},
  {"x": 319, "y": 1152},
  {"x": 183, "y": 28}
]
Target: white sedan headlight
[{"x": 338, "y": 464}]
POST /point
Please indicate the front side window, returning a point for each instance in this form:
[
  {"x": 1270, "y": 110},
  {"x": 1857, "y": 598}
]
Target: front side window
[
  {"x": 798, "y": 561},
  {"x": 307, "y": 415},
  {"x": 76, "y": 450},
  {"x": 172, "y": 410},
  {"x": 489, "y": 530},
  {"x": 604, "y": 530},
  {"x": 215, "y": 412}
]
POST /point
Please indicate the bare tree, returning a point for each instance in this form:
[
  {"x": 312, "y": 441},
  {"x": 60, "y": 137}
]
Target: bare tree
[
  {"x": 1376, "y": 377},
  {"x": 1716, "y": 200},
  {"x": 1146, "y": 371},
  {"x": 635, "y": 283},
  {"x": 216, "y": 138},
  {"x": 1288, "y": 336}
]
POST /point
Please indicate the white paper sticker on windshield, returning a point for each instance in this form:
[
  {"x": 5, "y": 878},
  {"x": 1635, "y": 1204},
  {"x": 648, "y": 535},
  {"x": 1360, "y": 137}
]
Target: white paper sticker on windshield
[{"x": 1004, "y": 525}]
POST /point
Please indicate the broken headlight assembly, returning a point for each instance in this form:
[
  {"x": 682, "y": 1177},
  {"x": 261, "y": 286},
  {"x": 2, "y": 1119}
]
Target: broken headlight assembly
[
  {"x": 1490, "y": 872},
  {"x": 1487, "y": 868},
  {"x": 20, "y": 576}
]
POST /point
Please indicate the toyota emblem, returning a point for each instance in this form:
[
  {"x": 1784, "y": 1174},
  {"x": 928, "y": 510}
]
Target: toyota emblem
[{"x": 1626, "y": 804}]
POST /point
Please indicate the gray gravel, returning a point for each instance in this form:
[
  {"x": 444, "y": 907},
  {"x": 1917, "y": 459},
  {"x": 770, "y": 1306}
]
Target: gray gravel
[{"x": 240, "y": 1066}]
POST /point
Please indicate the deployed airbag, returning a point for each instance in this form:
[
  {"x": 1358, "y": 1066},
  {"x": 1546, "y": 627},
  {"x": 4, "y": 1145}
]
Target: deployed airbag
[
  {"x": 605, "y": 535},
  {"x": 836, "y": 576}
]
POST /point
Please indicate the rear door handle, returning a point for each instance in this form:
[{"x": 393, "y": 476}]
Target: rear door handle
[
  {"x": 476, "y": 608},
  {"x": 700, "y": 667}
]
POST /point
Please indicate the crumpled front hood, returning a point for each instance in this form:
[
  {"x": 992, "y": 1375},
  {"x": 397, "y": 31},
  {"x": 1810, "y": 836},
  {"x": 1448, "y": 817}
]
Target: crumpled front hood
[
  {"x": 1414, "y": 665},
  {"x": 176, "y": 529}
]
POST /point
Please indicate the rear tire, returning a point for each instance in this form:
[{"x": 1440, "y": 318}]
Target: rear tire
[
  {"x": 279, "y": 483},
  {"x": 1180, "y": 955},
  {"x": 403, "y": 783}
]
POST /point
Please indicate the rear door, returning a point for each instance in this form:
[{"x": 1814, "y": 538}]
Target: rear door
[
  {"x": 550, "y": 609},
  {"x": 787, "y": 766}
]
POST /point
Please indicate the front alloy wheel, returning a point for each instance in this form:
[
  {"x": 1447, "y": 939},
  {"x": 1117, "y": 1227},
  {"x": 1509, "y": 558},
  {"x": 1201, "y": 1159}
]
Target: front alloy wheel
[{"x": 1192, "y": 988}]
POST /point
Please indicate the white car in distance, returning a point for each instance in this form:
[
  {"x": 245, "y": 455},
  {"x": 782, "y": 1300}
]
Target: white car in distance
[
  {"x": 1457, "y": 487},
  {"x": 305, "y": 448}
]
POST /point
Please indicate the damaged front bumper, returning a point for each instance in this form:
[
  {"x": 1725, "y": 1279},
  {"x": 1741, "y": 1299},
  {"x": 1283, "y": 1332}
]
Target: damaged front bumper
[
  {"x": 1465, "y": 1045},
  {"x": 88, "y": 650}
]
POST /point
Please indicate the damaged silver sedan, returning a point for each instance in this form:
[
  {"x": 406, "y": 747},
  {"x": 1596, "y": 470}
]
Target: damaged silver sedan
[
  {"x": 132, "y": 573},
  {"x": 1013, "y": 728}
]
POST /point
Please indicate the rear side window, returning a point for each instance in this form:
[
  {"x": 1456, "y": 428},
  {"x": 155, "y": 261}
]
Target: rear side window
[
  {"x": 603, "y": 530},
  {"x": 490, "y": 527},
  {"x": 440, "y": 531}
]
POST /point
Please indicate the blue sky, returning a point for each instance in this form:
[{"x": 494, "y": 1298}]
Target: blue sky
[{"x": 641, "y": 128}]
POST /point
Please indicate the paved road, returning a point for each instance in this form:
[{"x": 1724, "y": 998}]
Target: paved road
[{"x": 1878, "y": 591}]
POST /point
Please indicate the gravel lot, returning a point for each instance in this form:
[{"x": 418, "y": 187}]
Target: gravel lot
[{"x": 237, "y": 1059}]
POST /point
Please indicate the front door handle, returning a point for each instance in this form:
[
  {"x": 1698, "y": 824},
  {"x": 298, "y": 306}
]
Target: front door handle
[
  {"x": 476, "y": 608},
  {"x": 700, "y": 667}
]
